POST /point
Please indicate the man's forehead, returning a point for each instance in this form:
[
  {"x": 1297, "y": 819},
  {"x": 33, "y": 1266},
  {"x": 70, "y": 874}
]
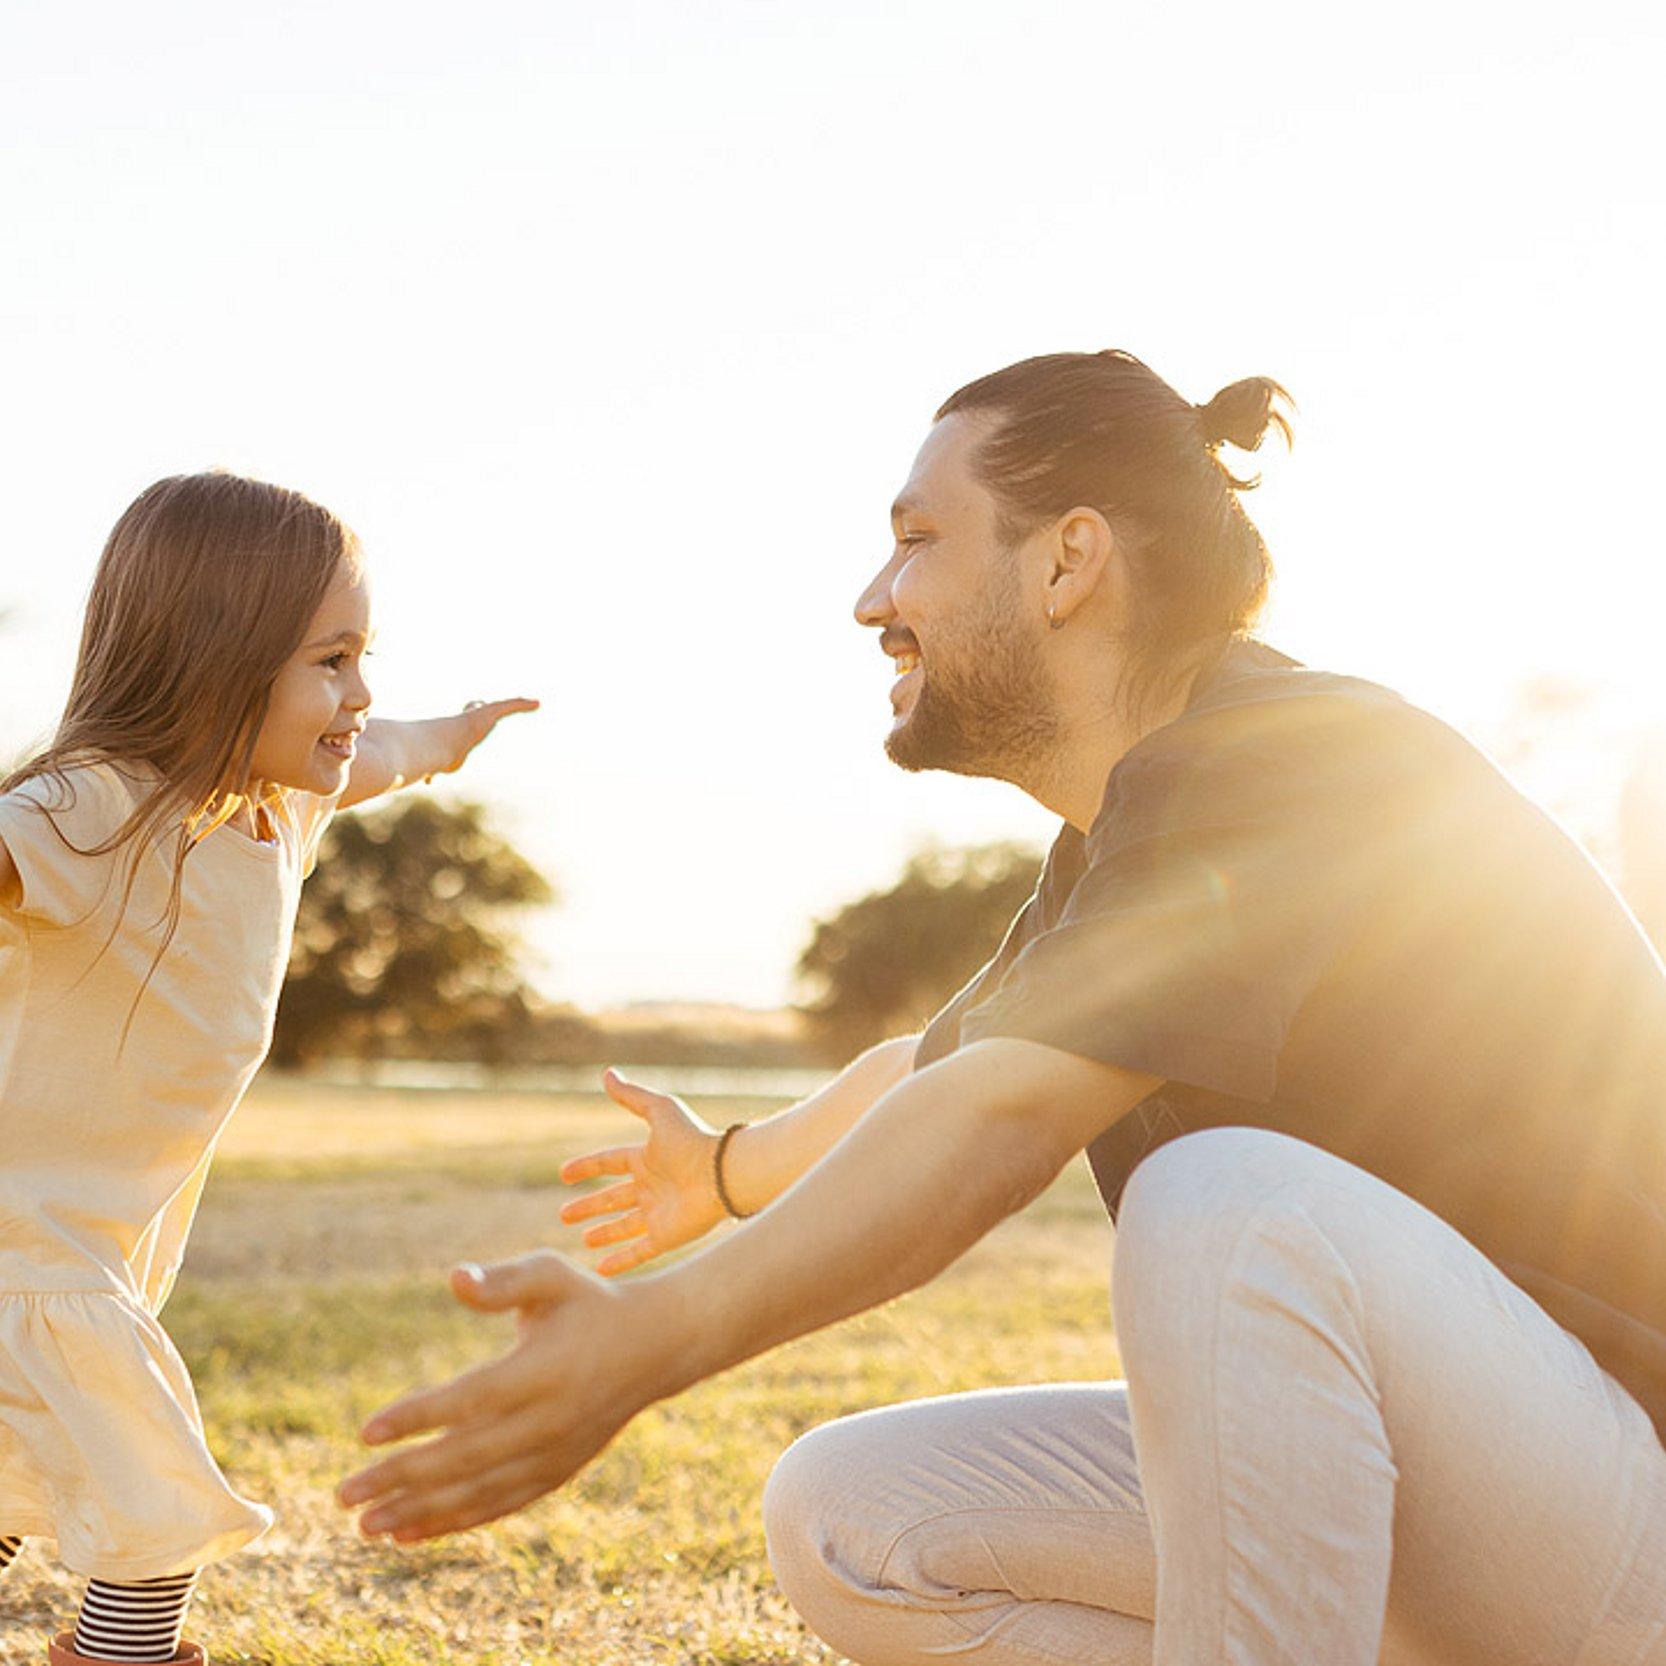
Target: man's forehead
[{"x": 942, "y": 478}]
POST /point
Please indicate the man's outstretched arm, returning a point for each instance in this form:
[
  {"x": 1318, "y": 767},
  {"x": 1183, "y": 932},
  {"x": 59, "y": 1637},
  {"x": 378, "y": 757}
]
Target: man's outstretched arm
[
  {"x": 667, "y": 1195},
  {"x": 942, "y": 1158}
]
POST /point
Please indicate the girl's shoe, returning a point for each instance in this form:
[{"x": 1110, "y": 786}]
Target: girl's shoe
[{"x": 61, "y": 1652}]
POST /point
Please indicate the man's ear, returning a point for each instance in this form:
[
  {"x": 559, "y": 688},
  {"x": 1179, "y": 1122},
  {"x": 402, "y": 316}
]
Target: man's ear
[{"x": 1083, "y": 557}]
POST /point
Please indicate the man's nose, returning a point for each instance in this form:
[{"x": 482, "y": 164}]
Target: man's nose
[{"x": 873, "y": 606}]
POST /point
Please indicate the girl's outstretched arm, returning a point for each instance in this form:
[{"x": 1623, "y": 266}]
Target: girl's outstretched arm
[{"x": 391, "y": 755}]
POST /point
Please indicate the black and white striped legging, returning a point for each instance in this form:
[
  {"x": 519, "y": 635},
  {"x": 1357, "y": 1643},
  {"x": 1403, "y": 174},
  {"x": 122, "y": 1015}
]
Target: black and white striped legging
[{"x": 141, "y": 1621}]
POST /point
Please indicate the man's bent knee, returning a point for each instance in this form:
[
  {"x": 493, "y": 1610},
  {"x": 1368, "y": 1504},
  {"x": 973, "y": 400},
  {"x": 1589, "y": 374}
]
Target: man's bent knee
[
  {"x": 1188, "y": 1207},
  {"x": 813, "y": 1512},
  {"x": 826, "y": 1543}
]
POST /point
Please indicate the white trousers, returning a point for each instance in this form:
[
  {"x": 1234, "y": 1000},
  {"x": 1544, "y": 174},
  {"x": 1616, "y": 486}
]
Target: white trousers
[{"x": 1356, "y": 1440}]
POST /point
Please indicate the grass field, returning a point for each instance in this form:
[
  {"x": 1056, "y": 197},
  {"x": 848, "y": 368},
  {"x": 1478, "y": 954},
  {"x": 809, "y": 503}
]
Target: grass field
[{"x": 313, "y": 1292}]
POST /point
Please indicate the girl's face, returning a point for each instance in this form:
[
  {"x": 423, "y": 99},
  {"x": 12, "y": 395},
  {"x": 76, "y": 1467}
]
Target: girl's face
[{"x": 320, "y": 697}]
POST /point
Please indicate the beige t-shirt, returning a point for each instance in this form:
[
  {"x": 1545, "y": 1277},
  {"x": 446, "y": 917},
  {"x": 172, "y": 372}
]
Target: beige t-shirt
[{"x": 105, "y": 1145}]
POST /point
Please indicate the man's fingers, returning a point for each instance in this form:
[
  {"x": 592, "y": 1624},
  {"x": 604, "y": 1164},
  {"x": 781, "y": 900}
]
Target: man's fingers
[
  {"x": 503, "y": 1501},
  {"x": 594, "y": 1163},
  {"x": 497, "y": 1387},
  {"x": 632, "y": 1225},
  {"x": 608, "y": 1201},
  {"x": 542, "y": 1276},
  {"x": 426, "y": 1513},
  {"x": 455, "y": 1456},
  {"x": 621, "y": 1261}
]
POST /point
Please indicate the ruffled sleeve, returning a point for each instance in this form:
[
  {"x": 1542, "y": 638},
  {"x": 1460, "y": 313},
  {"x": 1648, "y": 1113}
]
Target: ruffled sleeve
[
  {"x": 53, "y": 827},
  {"x": 309, "y": 816}
]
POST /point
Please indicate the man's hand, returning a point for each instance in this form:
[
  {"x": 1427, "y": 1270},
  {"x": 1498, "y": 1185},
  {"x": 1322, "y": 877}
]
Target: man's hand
[
  {"x": 939, "y": 1160},
  {"x": 515, "y": 1428},
  {"x": 669, "y": 1195}
]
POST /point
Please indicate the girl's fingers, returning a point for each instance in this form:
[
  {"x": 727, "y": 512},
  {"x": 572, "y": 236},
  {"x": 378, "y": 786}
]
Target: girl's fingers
[
  {"x": 488, "y": 712},
  {"x": 594, "y": 1163},
  {"x": 622, "y": 1261},
  {"x": 632, "y": 1225},
  {"x": 632, "y": 1095},
  {"x": 608, "y": 1201}
]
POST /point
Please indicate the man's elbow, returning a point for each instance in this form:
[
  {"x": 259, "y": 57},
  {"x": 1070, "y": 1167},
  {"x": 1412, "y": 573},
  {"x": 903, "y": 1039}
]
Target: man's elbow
[
  {"x": 1048, "y": 1102},
  {"x": 1023, "y": 1147}
]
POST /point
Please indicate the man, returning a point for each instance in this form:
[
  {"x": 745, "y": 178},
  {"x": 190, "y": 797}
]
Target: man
[{"x": 1368, "y": 1060}]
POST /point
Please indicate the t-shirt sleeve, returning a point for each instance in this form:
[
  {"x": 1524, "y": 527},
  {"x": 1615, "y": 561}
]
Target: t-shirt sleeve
[
  {"x": 943, "y": 1034},
  {"x": 52, "y": 827},
  {"x": 310, "y": 816},
  {"x": 1221, "y": 881}
]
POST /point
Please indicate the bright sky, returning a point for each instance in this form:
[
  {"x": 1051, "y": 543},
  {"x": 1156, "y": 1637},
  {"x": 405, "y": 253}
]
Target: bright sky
[{"x": 613, "y": 329}]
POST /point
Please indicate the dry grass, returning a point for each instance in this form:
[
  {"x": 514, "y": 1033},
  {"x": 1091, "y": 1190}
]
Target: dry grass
[{"x": 313, "y": 1294}]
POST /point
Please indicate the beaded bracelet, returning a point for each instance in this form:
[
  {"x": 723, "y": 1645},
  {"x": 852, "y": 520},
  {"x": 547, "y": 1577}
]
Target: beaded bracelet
[{"x": 717, "y": 1173}]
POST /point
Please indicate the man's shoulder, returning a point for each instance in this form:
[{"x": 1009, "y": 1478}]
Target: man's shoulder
[
  {"x": 1266, "y": 735},
  {"x": 1257, "y": 694},
  {"x": 1264, "y": 706}
]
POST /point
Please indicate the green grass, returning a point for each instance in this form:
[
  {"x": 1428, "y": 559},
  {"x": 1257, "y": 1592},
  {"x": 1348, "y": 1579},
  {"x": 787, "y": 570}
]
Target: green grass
[{"x": 314, "y": 1293}]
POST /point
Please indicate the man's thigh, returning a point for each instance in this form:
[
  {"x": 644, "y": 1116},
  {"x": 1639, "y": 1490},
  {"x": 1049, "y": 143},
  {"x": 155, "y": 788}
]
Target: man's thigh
[
  {"x": 1317, "y": 1321},
  {"x": 1530, "y": 1518}
]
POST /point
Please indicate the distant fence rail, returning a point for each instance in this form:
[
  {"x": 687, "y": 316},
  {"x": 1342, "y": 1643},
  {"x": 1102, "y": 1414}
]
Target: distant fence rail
[{"x": 694, "y": 1081}]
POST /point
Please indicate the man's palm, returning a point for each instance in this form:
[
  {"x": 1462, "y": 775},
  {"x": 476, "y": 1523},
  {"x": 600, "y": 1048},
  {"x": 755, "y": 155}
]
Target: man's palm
[{"x": 668, "y": 1195}]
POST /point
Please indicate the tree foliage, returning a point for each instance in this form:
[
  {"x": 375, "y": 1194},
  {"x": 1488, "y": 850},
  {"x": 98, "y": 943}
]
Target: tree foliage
[
  {"x": 405, "y": 940},
  {"x": 882, "y": 965}
]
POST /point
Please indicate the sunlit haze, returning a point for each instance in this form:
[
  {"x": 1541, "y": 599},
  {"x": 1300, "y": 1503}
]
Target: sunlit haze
[{"x": 614, "y": 329}]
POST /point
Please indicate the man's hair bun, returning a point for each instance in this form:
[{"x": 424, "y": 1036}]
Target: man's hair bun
[{"x": 1242, "y": 412}]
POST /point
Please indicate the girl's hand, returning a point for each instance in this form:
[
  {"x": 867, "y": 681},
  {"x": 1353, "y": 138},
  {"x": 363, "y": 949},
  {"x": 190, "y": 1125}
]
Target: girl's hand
[
  {"x": 469, "y": 727},
  {"x": 669, "y": 1197}
]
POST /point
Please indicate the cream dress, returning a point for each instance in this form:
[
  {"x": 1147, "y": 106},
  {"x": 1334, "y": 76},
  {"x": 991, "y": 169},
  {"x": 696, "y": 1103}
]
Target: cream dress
[{"x": 104, "y": 1150}]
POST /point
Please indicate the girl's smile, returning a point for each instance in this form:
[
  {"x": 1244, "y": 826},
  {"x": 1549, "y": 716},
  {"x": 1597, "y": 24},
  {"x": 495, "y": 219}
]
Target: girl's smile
[{"x": 320, "y": 697}]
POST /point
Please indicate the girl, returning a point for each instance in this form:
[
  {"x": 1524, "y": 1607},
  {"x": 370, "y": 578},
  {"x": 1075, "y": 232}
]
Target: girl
[{"x": 151, "y": 859}]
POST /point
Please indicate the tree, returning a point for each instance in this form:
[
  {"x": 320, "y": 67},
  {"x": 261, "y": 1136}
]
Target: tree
[
  {"x": 883, "y": 964},
  {"x": 405, "y": 941}
]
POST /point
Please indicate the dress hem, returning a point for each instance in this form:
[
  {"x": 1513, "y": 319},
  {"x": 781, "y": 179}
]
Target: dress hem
[{"x": 132, "y": 1569}]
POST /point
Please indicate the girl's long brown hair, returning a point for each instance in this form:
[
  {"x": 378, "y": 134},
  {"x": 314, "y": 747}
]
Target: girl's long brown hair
[{"x": 205, "y": 589}]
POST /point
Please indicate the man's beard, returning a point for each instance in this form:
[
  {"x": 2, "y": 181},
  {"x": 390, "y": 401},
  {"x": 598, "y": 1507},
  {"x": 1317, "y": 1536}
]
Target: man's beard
[{"x": 990, "y": 712}]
